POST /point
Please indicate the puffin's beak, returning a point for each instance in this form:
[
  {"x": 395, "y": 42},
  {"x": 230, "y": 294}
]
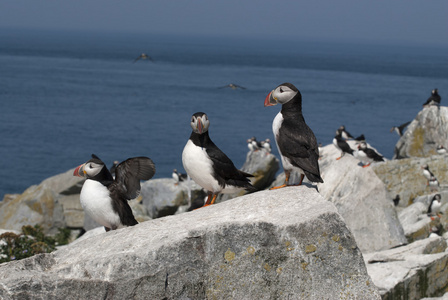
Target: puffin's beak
[
  {"x": 200, "y": 126},
  {"x": 79, "y": 171},
  {"x": 270, "y": 101}
]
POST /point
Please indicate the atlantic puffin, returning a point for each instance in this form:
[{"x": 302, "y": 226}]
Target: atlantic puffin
[
  {"x": 399, "y": 129},
  {"x": 341, "y": 144},
  {"x": 441, "y": 149},
  {"x": 296, "y": 142},
  {"x": 344, "y": 133},
  {"x": 426, "y": 172},
  {"x": 266, "y": 145},
  {"x": 104, "y": 198},
  {"x": 367, "y": 155},
  {"x": 178, "y": 177},
  {"x": 208, "y": 166},
  {"x": 144, "y": 56},
  {"x": 434, "y": 99},
  {"x": 433, "y": 184},
  {"x": 435, "y": 205}
]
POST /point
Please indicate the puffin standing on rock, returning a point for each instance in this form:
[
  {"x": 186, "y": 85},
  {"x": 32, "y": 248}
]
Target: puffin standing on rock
[
  {"x": 104, "y": 198},
  {"x": 367, "y": 155},
  {"x": 341, "y": 144},
  {"x": 208, "y": 166},
  {"x": 295, "y": 141}
]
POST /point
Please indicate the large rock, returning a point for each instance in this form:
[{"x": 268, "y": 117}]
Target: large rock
[
  {"x": 424, "y": 134},
  {"x": 362, "y": 200},
  {"x": 410, "y": 272},
  {"x": 283, "y": 244},
  {"x": 404, "y": 177},
  {"x": 45, "y": 204}
]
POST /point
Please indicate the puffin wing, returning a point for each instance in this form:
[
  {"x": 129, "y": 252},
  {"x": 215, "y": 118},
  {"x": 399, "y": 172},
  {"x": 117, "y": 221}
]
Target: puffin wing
[
  {"x": 130, "y": 172},
  {"x": 372, "y": 154},
  {"x": 300, "y": 147},
  {"x": 224, "y": 167}
]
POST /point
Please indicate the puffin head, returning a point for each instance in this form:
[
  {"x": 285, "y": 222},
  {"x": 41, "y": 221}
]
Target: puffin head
[
  {"x": 89, "y": 169},
  {"x": 281, "y": 94},
  {"x": 199, "y": 123},
  {"x": 362, "y": 146}
]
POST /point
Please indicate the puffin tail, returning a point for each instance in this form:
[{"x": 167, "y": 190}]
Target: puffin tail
[{"x": 313, "y": 177}]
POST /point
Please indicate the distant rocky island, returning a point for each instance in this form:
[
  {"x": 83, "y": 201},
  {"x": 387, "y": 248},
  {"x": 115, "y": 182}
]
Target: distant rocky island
[{"x": 365, "y": 233}]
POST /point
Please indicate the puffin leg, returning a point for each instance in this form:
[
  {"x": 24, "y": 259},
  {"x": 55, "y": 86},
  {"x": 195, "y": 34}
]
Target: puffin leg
[
  {"x": 301, "y": 179},
  {"x": 213, "y": 199},
  {"x": 342, "y": 154},
  {"x": 210, "y": 200},
  {"x": 365, "y": 166},
  {"x": 287, "y": 173}
]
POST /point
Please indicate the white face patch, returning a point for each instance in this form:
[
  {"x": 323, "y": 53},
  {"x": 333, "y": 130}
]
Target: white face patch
[
  {"x": 92, "y": 169},
  {"x": 283, "y": 94},
  {"x": 200, "y": 124}
]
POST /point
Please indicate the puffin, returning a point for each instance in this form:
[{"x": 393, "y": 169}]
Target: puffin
[
  {"x": 435, "y": 205},
  {"x": 399, "y": 129},
  {"x": 433, "y": 184},
  {"x": 396, "y": 200},
  {"x": 441, "y": 149},
  {"x": 341, "y": 144},
  {"x": 114, "y": 167},
  {"x": 104, "y": 198},
  {"x": 427, "y": 173},
  {"x": 344, "y": 133},
  {"x": 143, "y": 56},
  {"x": 434, "y": 99},
  {"x": 208, "y": 166},
  {"x": 233, "y": 86},
  {"x": 296, "y": 142},
  {"x": 367, "y": 155},
  {"x": 266, "y": 145},
  {"x": 178, "y": 177}
]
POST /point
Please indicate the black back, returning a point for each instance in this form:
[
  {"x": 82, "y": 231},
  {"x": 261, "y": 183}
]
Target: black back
[
  {"x": 342, "y": 144},
  {"x": 296, "y": 140},
  {"x": 224, "y": 170}
]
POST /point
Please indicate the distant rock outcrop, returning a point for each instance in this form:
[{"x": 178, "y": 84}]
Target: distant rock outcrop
[
  {"x": 362, "y": 200},
  {"x": 427, "y": 131},
  {"x": 283, "y": 244}
]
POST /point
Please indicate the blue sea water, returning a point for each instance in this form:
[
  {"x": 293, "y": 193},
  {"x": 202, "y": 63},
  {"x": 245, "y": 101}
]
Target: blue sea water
[{"x": 66, "y": 95}]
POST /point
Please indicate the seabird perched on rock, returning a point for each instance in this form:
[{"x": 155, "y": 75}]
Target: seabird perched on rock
[
  {"x": 435, "y": 205},
  {"x": 434, "y": 99},
  {"x": 396, "y": 200},
  {"x": 114, "y": 167},
  {"x": 341, "y": 144},
  {"x": 344, "y": 133},
  {"x": 177, "y": 176},
  {"x": 399, "y": 129},
  {"x": 426, "y": 172},
  {"x": 367, "y": 155},
  {"x": 144, "y": 56},
  {"x": 208, "y": 166},
  {"x": 104, "y": 198},
  {"x": 233, "y": 86},
  {"x": 433, "y": 184},
  {"x": 266, "y": 145},
  {"x": 295, "y": 141},
  {"x": 441, "y": 149}
]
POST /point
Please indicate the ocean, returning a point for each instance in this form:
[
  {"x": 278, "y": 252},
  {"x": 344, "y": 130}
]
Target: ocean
[{"x": 66, "y": 95}]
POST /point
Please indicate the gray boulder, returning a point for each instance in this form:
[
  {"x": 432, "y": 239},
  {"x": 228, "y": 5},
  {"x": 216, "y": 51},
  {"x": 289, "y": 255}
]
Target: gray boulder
[
  {"x": 424, "y": 134},
  {"x": 362, "y": 200},
  {"x": 283, "y": 244},
  {"x": 404, "y": 177},
  {"x": 414, "y": 271},
  {"x": 45, "y": 204}
]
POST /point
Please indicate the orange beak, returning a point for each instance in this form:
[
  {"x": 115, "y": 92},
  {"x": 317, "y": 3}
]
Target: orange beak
[
  {"x": 79, "y": 171},
  {"x": 270, "y": 101}
]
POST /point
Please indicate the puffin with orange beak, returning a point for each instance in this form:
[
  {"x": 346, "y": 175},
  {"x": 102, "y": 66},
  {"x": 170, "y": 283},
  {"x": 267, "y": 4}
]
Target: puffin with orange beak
[
  {"x": 208, "y": 166},
  {"x": 295, "y": 141},
  {"x": 104, "y": 198}
]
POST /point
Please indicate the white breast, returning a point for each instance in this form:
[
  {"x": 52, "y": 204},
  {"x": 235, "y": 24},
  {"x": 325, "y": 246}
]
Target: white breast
[
  {"x": 199, "y": 167},
  {"x": 362, "y": 156},
  {"x": 96, "y": 202},
  {"x": 276, "y": 124}
]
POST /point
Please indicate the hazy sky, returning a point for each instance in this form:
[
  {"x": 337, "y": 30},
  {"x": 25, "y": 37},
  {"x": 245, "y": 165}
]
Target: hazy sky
[{"x": 417, "y": 22}]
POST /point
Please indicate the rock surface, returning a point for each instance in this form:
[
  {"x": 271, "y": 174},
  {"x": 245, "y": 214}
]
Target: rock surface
[
  {"x": 362, "y": 200},
  {"x": 424, "y": 134},
  {"x": 47, "y": 204},
  {"x": 411, "y": 272},
  {"x": 283, "y": 244},
  {"x": 404, "y": 177},
  {"x": 416, "y": 224}
]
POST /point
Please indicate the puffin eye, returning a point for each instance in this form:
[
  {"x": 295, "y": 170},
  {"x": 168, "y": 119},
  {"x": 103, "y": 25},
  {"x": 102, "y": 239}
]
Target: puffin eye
[{"x": 281, "y": 90}]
